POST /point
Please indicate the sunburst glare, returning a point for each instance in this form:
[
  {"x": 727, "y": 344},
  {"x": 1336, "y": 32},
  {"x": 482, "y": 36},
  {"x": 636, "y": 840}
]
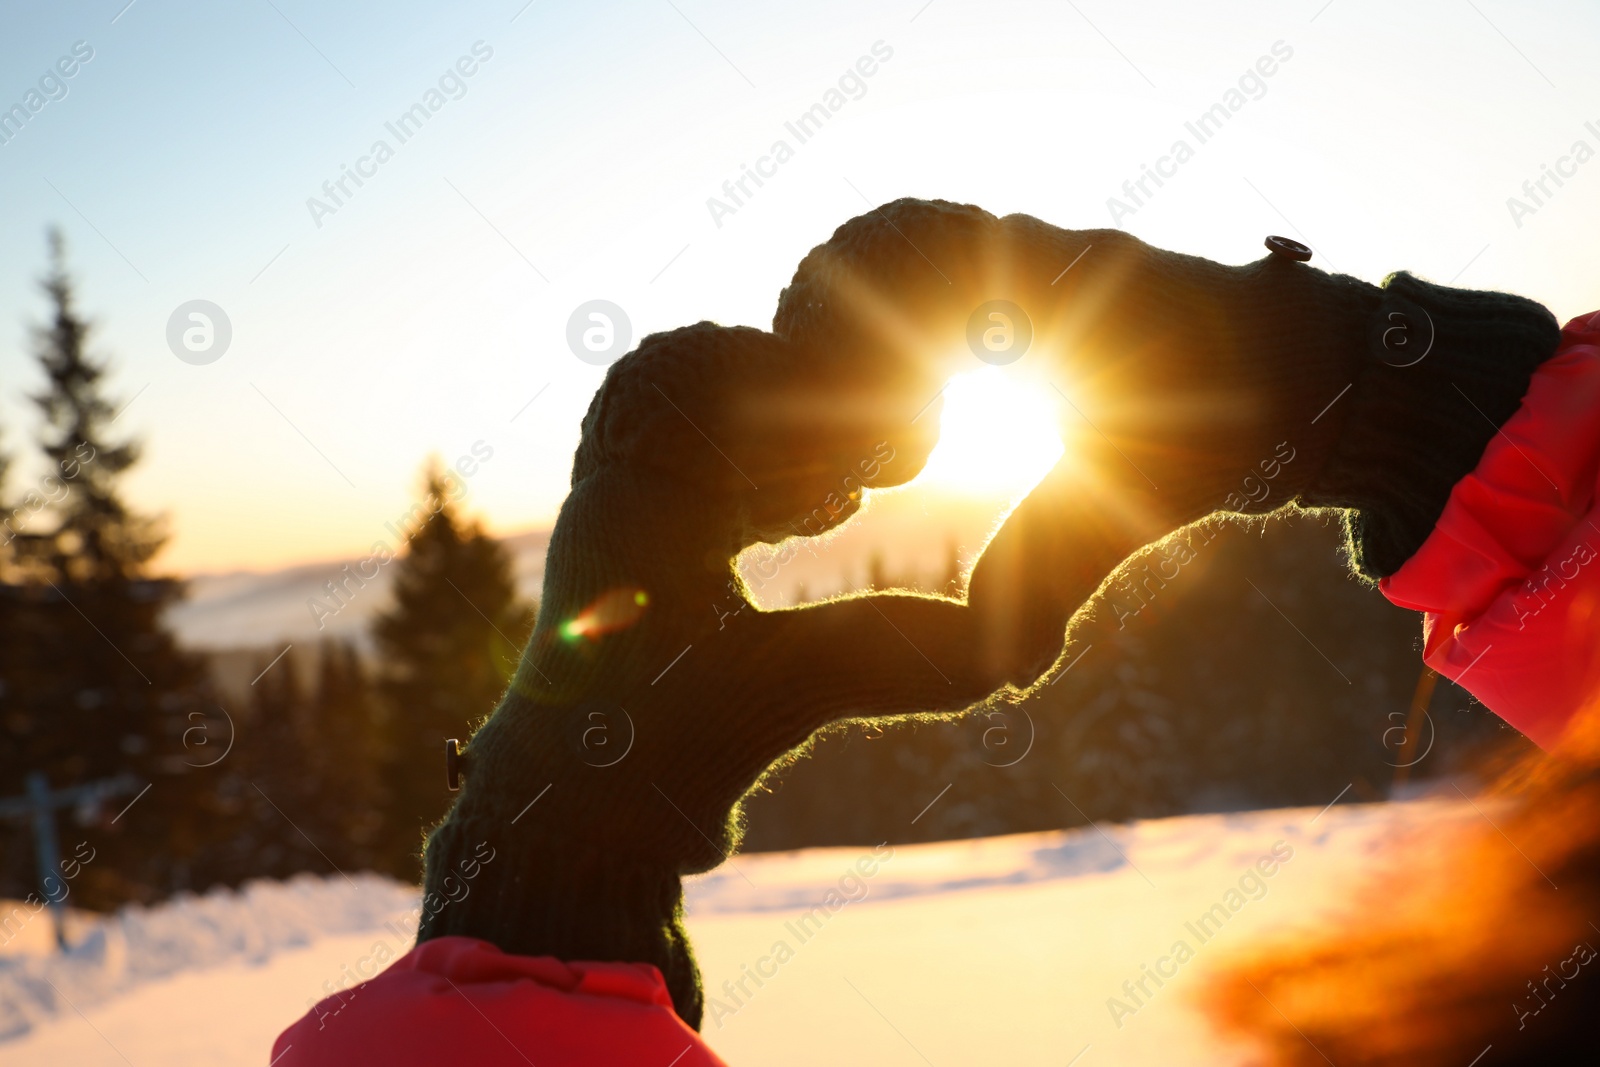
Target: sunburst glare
[{"x": 997, "y": 436}]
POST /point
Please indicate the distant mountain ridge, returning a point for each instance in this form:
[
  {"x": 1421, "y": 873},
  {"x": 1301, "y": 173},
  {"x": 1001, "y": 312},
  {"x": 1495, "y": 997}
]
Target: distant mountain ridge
[
  {"x": 255, "y": 609},
  {"x": 902, "y": 538}
]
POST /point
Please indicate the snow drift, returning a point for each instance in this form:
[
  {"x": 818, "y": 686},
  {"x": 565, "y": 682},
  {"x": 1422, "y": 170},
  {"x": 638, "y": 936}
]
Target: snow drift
[{"x": 143, "y": 944}]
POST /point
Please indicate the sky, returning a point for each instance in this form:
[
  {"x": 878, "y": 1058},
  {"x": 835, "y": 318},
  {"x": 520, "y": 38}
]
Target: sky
[{"x": 426, "y": 310}]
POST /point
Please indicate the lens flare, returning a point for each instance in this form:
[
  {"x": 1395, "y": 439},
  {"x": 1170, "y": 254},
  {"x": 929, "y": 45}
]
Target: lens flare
[{"x": 613, "y": 610}]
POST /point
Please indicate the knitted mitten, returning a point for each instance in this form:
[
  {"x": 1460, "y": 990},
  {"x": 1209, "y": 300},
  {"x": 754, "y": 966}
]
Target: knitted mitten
[
  {"x": 1239, "y": 388},
  {"x": 652, "y": 695}
]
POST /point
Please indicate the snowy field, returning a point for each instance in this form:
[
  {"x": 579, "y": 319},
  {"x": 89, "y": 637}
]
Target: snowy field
[{"x": 998, "y": 950}]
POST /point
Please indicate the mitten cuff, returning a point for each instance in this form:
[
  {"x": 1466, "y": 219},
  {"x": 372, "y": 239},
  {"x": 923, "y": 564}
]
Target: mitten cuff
[
  {"x": 1442, "y": 370},
  {"x": 535, "y": 889}
]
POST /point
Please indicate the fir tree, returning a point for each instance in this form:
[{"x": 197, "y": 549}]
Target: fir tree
[
  {"x": 950, "y": 584},
  {"x": 282, "y": 794},
  {"x": 96, "y": 686},
  {"x": 96, "y": 541},
  {"x": 344, "y": 760},
  {"x": 15, "y": 858},
  {"x": 447, "y": 647},
  {"x": 301, "y": 789}
]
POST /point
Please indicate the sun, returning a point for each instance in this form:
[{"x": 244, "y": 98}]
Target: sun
[{"x": 997, "y": 436}]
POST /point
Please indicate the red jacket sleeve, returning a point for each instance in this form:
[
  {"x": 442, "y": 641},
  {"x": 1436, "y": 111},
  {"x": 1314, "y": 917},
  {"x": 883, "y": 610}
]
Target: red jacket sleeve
[
  {"x": 462, "y": 1000},
  {"x": 1509, "y": 580}
]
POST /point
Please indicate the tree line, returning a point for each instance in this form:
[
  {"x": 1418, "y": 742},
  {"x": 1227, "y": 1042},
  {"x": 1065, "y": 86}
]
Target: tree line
[{"x": 335, "y": 759}]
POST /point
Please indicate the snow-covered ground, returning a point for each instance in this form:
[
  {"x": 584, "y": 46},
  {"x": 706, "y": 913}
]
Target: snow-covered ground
[{"x": 998, "y": 950}]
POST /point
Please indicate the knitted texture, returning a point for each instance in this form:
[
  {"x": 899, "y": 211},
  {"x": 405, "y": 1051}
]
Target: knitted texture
[
  {"x": 1446, "y": 368},
  {"x": 1199, "y": 370},
  {"x": 652, "y": 695}
]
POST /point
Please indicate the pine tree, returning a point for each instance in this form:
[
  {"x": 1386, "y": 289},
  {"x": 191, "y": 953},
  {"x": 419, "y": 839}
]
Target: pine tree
[
  {"x": 344, "y": 760},
  {"x": 300, "y": 790},
  {"x": 950, "y": 582},
  {"x": 96, "y": 541},
  {"x": 283, "y": 797},
  {"x": 447, "y": 648},
  {"x": 878, "y": 578},
  {"x": 16, "y": 872},
  {"x": 99, "y": 688}
]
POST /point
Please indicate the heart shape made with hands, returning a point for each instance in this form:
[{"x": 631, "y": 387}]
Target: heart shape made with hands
[
  {"x": 1177, "y": 375},
  {"x": 998, "y": 436}
]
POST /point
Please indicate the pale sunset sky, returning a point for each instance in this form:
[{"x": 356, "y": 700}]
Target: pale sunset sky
[{"x": 426, "y": 310}]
